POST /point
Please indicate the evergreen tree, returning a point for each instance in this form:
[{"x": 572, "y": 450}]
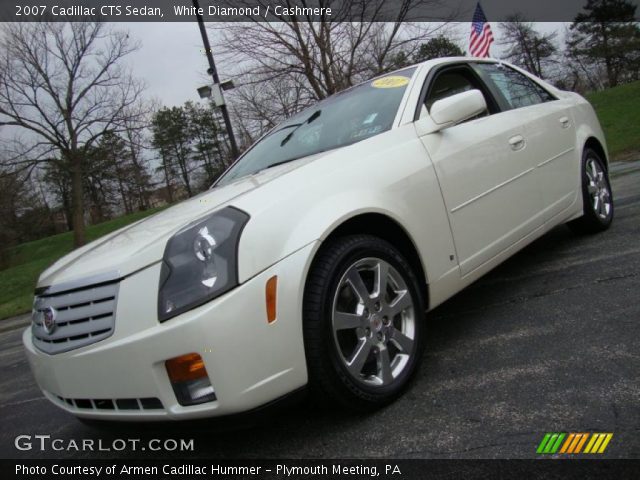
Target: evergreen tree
[
  {"x": 437, "y": 47},
  {"x": 606, "y": 36}
]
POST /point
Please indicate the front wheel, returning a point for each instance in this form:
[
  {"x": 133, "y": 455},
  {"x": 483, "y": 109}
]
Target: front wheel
[
  {"x": 596, "y": 195},
  {"x": 364, "y": 317}
]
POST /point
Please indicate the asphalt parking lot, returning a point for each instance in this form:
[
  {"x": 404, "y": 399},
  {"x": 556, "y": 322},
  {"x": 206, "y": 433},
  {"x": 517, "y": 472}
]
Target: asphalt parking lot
[{"x": 548, "y": 342}]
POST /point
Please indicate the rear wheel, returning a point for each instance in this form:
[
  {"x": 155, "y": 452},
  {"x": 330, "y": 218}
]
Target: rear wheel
[
  {"x": 596, "y": 194},
  {"x": 363, "y": 322}
]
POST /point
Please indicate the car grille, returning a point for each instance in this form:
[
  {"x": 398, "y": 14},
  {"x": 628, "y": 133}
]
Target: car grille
[
  {"x": 75, "y": 318},
  {"x": 149, "y": 403}
]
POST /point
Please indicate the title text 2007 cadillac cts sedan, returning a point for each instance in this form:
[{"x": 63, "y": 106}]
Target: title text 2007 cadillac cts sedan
[{"x": 313, "y": 259}]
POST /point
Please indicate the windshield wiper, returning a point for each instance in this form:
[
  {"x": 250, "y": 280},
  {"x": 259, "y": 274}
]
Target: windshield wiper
[
  {"x": 281, "y": 162},
  {"x": 313, "y": 116}
]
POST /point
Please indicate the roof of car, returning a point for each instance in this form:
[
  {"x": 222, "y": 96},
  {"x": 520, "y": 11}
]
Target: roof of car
[
  {"x": 434, "y": 62},
  {"x": 441, "y": 60}
]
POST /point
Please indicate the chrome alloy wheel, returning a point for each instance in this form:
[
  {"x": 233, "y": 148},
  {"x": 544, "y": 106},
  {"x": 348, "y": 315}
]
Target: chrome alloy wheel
[
  {"x": 374, "y": 322},
  {"x": 598, "y": 188}
]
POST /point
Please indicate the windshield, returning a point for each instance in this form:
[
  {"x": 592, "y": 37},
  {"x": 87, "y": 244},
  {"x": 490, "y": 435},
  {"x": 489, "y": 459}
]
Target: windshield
[{"x": 342, "y": 119}]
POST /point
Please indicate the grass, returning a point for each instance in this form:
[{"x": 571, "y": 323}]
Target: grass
[
  {"x": 28, "y": 260},
  {"x": 619, "y": 113}
]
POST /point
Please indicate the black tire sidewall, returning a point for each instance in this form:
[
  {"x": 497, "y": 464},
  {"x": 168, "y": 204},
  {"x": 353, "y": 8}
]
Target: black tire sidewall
[
  {"x": 589, "y": 214},
  {"x": 339, "y": 255}
]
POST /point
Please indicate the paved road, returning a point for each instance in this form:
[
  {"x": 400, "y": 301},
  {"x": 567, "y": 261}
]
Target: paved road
[{"x": 549, "y": 341}]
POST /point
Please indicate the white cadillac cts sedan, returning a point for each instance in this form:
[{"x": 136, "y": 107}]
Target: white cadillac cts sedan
[{"x": 313, "y": 260}]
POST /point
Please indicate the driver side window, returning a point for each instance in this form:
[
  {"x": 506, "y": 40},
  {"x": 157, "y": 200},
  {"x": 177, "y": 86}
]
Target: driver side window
[
  {"x": 446, "y": 85},
  {"x": 450, "y": 82}
]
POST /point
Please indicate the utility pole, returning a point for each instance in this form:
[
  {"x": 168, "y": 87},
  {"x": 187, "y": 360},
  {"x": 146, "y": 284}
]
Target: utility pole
[{"x": 216, "y": 80}]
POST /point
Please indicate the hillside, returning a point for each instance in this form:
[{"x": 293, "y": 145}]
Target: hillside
[
  {"x": 619, "y": 113},
  {"x": 28, "y": 260}
]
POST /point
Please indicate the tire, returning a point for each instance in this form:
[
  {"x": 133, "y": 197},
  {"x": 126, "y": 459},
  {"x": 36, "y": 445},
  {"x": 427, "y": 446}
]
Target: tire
[
  {"x": 597, "y": 196},
  {"x": 362, "y": 347}
]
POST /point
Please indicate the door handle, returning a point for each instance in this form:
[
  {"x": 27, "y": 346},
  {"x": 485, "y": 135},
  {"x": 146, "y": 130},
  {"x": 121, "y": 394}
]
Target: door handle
[
  {"x": 564, "y": 121},
  {"x": 517, "y": 142}
]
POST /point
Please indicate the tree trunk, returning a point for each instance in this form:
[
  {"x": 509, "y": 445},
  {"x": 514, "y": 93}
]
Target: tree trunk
[
  {"x": 123, "y": 193},
  {"x": 143, "y": 202},
  {"x": 77, "y": 200},
  {"x": 68, "y": 210},
  {"x": 608, "y": 60},
  {"x": 166, "y": 177},
  {"x": 184, "y": 172},
  {"x": 100, "y": 201},
  {"x": 185, "y": 178}
]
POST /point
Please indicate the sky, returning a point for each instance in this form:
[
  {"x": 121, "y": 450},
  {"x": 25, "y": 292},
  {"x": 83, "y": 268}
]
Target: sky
[{"x": 170, "y": 61}]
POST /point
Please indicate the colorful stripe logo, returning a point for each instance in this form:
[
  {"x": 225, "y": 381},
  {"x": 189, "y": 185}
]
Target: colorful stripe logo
[{"x": 573, "y": 443}]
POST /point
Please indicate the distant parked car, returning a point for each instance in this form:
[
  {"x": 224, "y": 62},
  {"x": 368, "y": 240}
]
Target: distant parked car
[{"x": 313, "y": 259}]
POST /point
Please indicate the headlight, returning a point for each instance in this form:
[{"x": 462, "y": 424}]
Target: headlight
[{"x": 200, "y": 262}]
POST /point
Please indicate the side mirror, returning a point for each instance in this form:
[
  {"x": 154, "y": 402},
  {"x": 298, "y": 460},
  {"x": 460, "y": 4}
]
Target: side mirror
[{"x": 454, "y": 109}]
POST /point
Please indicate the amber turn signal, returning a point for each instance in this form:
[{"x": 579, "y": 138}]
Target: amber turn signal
[
  {"x": 270, "y": 294},
  {"x": 186, "y": 367},
  {"x": 189, "y": 379}
]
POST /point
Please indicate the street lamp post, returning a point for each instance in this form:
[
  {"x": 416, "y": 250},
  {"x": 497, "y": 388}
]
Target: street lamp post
[{"x": 216, "y": 80}]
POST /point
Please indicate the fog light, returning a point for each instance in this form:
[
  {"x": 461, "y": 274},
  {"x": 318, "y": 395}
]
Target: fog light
[{"x": 189, "y": 379}]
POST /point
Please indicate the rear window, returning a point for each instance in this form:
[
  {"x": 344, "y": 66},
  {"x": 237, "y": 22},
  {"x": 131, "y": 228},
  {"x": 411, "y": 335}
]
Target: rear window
[{"x": 517, "y": 89}]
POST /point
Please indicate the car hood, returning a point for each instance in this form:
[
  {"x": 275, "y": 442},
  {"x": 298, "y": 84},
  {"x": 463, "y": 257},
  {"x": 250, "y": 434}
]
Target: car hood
[{"x": 141, "y": 244}]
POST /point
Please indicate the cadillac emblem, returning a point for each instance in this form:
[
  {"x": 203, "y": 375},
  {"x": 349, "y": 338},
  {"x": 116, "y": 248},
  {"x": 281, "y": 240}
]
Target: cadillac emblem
[{"x": 49, "y": 319}]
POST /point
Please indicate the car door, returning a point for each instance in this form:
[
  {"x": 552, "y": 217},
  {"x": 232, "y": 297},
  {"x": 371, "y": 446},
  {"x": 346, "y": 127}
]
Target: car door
[
  {"x": 549, "y": 131},
  {"x": 485, "y": 172}
]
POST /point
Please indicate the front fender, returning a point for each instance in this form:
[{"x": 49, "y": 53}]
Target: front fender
[
  {"x": 390, "y": 175},
  {"x": 588, "y": 126}
]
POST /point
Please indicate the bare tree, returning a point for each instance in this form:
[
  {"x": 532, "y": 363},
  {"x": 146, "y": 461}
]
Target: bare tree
[
  {"x": 136, "y": 125},
  {"x": 258, "y": 107},
  {"x": 282, "y": 67},
  {"x": 64, "y": 84},
  {"x": 57, "y": 179},
  {"x": 24, "y": 212},
  {"x": 526, "y": 47}
]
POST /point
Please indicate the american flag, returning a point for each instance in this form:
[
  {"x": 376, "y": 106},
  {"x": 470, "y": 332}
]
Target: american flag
[{"x": 481, "y": 35}]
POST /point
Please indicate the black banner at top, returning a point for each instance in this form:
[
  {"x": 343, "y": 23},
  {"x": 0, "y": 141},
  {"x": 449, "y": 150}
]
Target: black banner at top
[{"x": 279, "y": 10}]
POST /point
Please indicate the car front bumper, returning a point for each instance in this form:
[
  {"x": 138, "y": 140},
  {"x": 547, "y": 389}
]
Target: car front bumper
[{"x": 249, "y": 361}]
